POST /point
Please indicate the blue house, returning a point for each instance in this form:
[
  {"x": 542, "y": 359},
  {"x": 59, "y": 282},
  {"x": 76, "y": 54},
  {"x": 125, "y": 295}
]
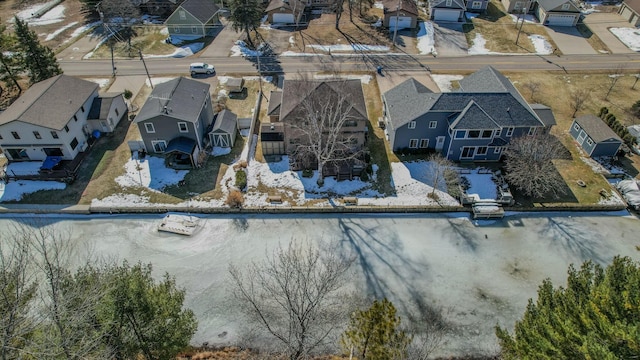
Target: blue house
[
  {"x": 595, "y": 136},
  {"x": 474, "y": 123}
]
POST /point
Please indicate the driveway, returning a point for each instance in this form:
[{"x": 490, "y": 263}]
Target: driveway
[
  {"x": 223, "y": 42},
  {"x": 449, "y": 39},
  {"x": 599, "y": 24},
  {"x": 82, "y": 46},
  {"x": 569, "y": 40}
]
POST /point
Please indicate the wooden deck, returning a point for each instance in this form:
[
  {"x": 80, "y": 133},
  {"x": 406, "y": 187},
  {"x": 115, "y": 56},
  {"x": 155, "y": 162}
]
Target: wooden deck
[{"x": 487, "y": 210}]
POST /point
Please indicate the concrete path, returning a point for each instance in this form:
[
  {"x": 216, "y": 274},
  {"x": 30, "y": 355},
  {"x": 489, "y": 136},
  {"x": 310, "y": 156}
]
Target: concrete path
[
  {"x": 599, "y": 24},
  {"x": 569, "y": 40},
  {"x": 82, "y": 46},
  {"x": 133, "y": 83}
]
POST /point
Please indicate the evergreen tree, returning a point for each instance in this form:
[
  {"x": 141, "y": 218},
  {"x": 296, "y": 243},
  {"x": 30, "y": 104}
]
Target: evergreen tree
[
  {"x": 597, "y": 316},
  {"x": 376, "y": 333},
  {"x": 245, "y": 16},
  {"x": 8, "y": 65},
  {"x": 39, "y": 61}
]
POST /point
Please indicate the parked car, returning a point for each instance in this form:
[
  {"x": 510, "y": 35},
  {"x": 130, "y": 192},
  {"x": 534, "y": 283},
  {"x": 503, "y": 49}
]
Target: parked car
[{"x": 201, "y": 68}]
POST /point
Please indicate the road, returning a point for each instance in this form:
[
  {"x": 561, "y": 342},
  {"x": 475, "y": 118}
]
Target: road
[{"x": 394, "y": 62}]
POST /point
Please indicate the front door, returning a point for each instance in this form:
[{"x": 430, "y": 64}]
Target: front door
[
  {"x": 581, "y": 137},
  {"x": 439, "y": 143}
]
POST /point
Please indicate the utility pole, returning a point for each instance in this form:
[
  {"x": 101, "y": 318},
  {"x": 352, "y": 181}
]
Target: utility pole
[
  {"x": 395, "y": 30},
  {"x": 524, "y": 11},
  {"x": 260, "y": 76},
  {"x": 145, "y": 67},
  {"x": 113, "y": 64}
]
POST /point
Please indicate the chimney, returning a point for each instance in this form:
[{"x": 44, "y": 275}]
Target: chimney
[
  {"x": 273, "y": 127},
  {"x": 164, "y": 109}
]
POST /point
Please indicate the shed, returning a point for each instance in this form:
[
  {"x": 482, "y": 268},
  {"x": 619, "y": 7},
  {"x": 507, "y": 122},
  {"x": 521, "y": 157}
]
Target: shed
[
  {"x": 234, "y": 84},
  {"x": 223, "y": 132},
  {"x": 595, "y": 136}
]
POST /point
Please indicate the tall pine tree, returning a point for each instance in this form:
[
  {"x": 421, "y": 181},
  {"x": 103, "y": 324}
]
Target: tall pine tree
[
  {"x": 9, "y": 67},
  {"x": 39, "y": 61},
  {"x": 245, "y": 16}
]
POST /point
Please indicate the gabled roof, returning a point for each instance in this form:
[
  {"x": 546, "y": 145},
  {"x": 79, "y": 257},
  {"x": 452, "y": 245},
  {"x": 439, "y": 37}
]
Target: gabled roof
[
  {"x": 180, "y": 98},
  {"x": 407, "y": 101},
  {"x": 597, "y": 129},
  {"x": 50, "y": 103},
  {"x": 405, "y": 5},
  {"x": 294, "y": 92},
  {"x": 633, "y": 4},
  {"x": 456, "y": 4},
  {"x": 275, "y": 100},
  {"x": 556, "y": 5},
  {"x": 474, "y": 117},
  {"x": 296, "y": 6},
  {"x": 226, "y": 121},
  {"x": 99, "y": 108},
  {"x": 203, "y": 10},
  {"x": 545, "y": 114}
]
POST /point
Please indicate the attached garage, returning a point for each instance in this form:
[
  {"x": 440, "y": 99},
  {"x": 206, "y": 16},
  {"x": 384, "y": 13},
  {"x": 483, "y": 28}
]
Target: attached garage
[
  {"x": 404, "y": 13},
  {"x": 285, "y": 11},
  {"x": 447, "y": 15},
  {"x": 283, "y": 18},
  {"x": 561, "y": 20},
  {"x": 404, "y": 22},
  {"x": 630, "y": 11}
]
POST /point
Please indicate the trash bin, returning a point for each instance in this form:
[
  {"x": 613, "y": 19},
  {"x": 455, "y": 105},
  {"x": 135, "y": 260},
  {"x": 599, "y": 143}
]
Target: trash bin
[{"x": 379, "y": 70}]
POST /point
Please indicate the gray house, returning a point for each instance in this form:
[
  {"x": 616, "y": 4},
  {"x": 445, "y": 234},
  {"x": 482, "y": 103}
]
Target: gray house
[
  {"x": 595, "y": 136},
  {"x": 174, "y": 119},
  {"x": 474, "y": 123},
  {"x": 194, "y": 18},
  {"x": 224, "y": 130},
  {"x": 557, "y": 12},
  {"x": 447, "y": 10}
]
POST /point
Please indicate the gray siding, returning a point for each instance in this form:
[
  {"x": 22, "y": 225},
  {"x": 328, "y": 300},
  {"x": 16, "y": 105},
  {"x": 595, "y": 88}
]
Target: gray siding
[
  {"x": 605, "y": 149},
  {"x": 403, "y": 135},
  {"x": 166, "y": 128},
  {"x": 189, "y": 25}
]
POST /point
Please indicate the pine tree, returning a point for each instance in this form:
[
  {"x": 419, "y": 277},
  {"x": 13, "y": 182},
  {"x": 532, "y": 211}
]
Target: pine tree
[
  {"x": 39, "y": 61},
  {"x": 245, "y": 16},
  {"x": 597, "y": 316},
  {"x": 376, "y": 333},
  {"x": 8, "y": 64}
]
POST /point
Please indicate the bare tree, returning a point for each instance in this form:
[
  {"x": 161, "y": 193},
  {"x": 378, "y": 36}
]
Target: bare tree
[
  {"x": 326, "y": 124},
  {"x": 529, "y": 165},
  {"x": 578, "y": 98},
  {"x": 438, "y": 165},
  {"x": 296, "y": 295},
  {"x": 532, "y": 86},
  {"x": 614, "y": 75},
  {"x": 118, "y": 17}
]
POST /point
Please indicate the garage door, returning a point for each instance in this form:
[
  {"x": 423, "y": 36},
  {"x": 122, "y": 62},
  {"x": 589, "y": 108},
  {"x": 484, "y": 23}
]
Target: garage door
[
  {"x": 560, "y": 20},
  {"x": 404, "y": 22},
  {"x": 626, "y": 13},
  {"x": 446, "y": 15},
  {"x": 283, "y": 19}
]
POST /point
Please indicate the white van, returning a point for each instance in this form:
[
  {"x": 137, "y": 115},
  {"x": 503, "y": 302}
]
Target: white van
[{"x": 201, "y": 68}]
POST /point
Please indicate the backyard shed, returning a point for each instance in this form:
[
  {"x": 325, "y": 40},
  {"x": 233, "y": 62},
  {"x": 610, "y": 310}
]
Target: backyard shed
[
  {"x": 223, "y": 132},
  {"x": 595, "y": 136}
]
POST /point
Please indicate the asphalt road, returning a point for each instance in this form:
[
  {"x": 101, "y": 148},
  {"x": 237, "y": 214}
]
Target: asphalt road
[{"x": 292, "y": 64}]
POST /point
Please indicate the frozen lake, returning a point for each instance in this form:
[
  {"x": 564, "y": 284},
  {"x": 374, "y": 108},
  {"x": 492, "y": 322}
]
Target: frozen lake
[{"x": 481, "y": 273}]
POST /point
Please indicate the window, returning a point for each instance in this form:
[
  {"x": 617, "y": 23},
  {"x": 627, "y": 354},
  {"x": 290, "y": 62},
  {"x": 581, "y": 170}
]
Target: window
[
  {"x": 73, "y": 144},
  {"x": 532, "y": 131},
  {"x": 589, "y": 141},
  {"x": 37, "y": 135},
  {"x": 576, "y": 127},
  {"x": 518, "y": 5},
  {"x": 433, "y": 124},
  {"x": 149, "y": 127},
  {"x": 509, "y": 131},
  {"x": 66, "y": 128},
  {"x": 476, "y": 5},
  {"x": 194, "y": 30},
  {"x": 350, "y": 123},
  {"x": 449, "y": 2},
  {"x": 460, "y": 134},
  {"x": 486, "y": 134},
  {"x": 473, "y": 134},
  {"x": 117, "y": 112},
  {"x": 482, "y": 150},
  {"x": 54, "y": 134},
  {"x": 424, "y": 143},
  {"x": 565, "y": 6},
  {"x": 82, "y": 108},
  {"x": 183, "y": 15},
  {"x": 0, "y": 137},
  {"x": 182, "y": 127},
  {"x": 15, "y": 135},
  {"x": 497, "y": 150},
  {"x": 75, "y": 118},
  {"x": 412, "y": 125},
  {"x": 413, "y": 143},
  {"x": 176, "y": 29},
  {"x": 159, "y": 145}
]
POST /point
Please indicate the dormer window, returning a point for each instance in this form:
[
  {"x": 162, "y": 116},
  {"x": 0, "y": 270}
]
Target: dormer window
[
  {"x": 565, "y": 6},
  {"x": 449, "y": 3}
]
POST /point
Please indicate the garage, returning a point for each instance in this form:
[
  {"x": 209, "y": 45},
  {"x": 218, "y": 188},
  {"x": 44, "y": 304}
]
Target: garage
[
  {"x": 626, "y": 13},
  {"x": 560, "y": 20},
  {"x": 282, "y": 18},
  {"x": 446, "y": 15},
  {"x": 404, "y": 22}
]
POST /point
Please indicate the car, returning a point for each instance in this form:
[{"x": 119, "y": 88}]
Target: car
[{"x": 201, "y": 68}]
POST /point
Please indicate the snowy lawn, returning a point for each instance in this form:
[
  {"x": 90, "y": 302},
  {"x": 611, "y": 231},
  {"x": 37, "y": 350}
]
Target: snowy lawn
[
  {"x": 52, "y": 16},
  {"x": 14, "y": 190},
  {"x": 426, "y": 42},
  {"x": 540, "y": 44},
  {"x": 481, "y": 184}
]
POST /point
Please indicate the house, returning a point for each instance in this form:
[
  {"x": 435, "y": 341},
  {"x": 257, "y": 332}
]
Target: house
[
  {"x": 174, "y": 120},
  {"x": 518, "y": 6},
  {"x": 54, "y": 118},
  {"x": 193, "y": 19},
  {"x": 477, "y": 6},
  {"x": 474, "y": 123},
  {"x": 447, "y": 10},
  {"x": 557, "y": 12},
  {"x": 594, "y": 136},
  {"x": 630, "y": 11},
  {"x": 273, "y": 111},
  {"x": 156, "y": 7},
  {"x": 404, "y": 13},
  {"x": 285, "y": 11},
  {"x": 292, "y": 118},
  {"x": 224, "y": 130}
]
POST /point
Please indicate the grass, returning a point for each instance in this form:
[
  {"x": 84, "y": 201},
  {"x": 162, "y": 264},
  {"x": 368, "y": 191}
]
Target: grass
[
  {"x": 501, "y": 33},
  {"x": 147, "y": 38}
]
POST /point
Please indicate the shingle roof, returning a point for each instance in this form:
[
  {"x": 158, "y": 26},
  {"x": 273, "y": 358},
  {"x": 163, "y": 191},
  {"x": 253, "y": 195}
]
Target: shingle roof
[
  {"x": 407, "y": 101},
  {"x": 545, "y": 114},
  {"x": 296, "y": 6},
  {"x": 474, "y": 117},
  {"x": 597, "y": 129},
  {"x": 182, "y": 97},
  {"x": 203, "y": 10},
  {"x": 294, "y": 92},
  {"x": 405, "y": 5},
  {"x": 275, "y": 100},
  {"x": 554, "y": 4},
  {"x": 101, "y": 105},
  {"x": 50, "y": 103},
  {"x": 633, "y": 4},
  {"x": 456, "y": 4},
  {"x": 226, "y": 121}
]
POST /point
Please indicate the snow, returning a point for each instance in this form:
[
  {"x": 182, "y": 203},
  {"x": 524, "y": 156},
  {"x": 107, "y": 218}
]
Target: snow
[
  {"x": 57, "y": 32},
  {"x": 349, "y": 47},
  {"x": 292, "y": 40},
  {"x": 179, "y": 39},
  {"x": 444, "y": 81},
  {"x": 481, "y": 184},
  {"x": 220, "y": 151},
  {"x": 79, "y": 31},
  {"x": 102, "y": 83},
  {"x": 149, "y": 172},
  {"x": 540, "y": 43},
  {"x": 479, "y": 46},
  {"x": 528, "y": 18},
  {"x": 426, "y": 42},
  {"x": 181, "y": 52},
  {"x": 378, "y": 5},
  {"x": 52, "y": 16},
  {"x": 628, "y": 36},
  {"x": 240, "y": 49},
  {"x": 542, "y": 46},
  {"x": 14, "y": 190}
]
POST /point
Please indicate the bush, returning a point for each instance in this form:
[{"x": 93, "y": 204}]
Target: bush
[
  {"x": 241, "y": 179},
  {"x": 364, "y": 176},
  {"x": 235, "y": 199},
  {"x": 127, "y": 94},
  {"x": 603, "y": 112},
  {"x": 307, "y": 173},
  {"x": 242, "y": 164}
]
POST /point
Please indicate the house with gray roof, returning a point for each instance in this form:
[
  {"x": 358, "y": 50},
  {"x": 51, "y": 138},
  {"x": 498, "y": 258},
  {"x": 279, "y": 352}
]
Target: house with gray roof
[
  {"x": 630, "y": 11},
  {"x": 194, "y": 19},
  {"x": 106, "y": 112},
  {"x": 447, "y": 10},
  {"x": 224, "y": 129},
  {"x": 403, "y": 13},
  {"x": 548, "y": 12},
  {"x": 174, "y": 120},
  {"x": 54, "y": 118},
  {"x": 594, "y": 136},
  {"x": 474, "y": 123},
  {"x": 285, "y": 11}
]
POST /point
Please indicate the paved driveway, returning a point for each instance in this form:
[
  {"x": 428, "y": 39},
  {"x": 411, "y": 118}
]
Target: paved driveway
[
  {"x": 224, "y": 40},
  {"x": 569, "y": 40},
  {"x": 450, "y": 40},
  {"x": 599, "y": 23}
]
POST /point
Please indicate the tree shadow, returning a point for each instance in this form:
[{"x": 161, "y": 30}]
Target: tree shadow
[{"x": 573, "y": 240}]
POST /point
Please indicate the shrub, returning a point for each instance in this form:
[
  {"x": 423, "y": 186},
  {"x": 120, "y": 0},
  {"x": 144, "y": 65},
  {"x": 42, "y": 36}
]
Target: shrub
[
  {"x": 603, "y": 112},
  {"x": 364, "y": 176},
  {"x": 242, "y": 164},
  {"x": 635, "y": 108},
  {"x": 241, "y": 179},
  {"x": 127, "y": 94},
  {"x": 307, "y": 173},
  {"x": 235, "y": 199}
]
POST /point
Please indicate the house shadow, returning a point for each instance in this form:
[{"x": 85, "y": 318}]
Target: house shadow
[{"x": 493, "y": 13}]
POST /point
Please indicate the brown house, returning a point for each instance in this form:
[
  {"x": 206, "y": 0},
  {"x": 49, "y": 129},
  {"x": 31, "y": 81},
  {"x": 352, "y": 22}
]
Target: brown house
[
  {"x": 401, "y": 12},
  {"x": 285, "y": 11}
]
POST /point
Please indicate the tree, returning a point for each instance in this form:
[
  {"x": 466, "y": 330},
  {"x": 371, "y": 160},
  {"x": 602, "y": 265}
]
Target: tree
[
  {"x": 614, "y": 75},
  {"x": 295, "y": 295},
  {"x": 376, "y": 333},
  {"x": 39, "y": 61},
  {"x": 578, "y": 98},
  {"x": 339, "y": 9},
  {"x": 594, "y": 317},
  {"x": 532, "y": 86},
  {"x": 529, "y": 165},
  {"x": 438, "y": 166},
  {"x": 245, "y": 16},
  {"x": 118, "y": 17},
  {"x": 9, "y": 66},
  {"x": 319, "y": 120}
]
